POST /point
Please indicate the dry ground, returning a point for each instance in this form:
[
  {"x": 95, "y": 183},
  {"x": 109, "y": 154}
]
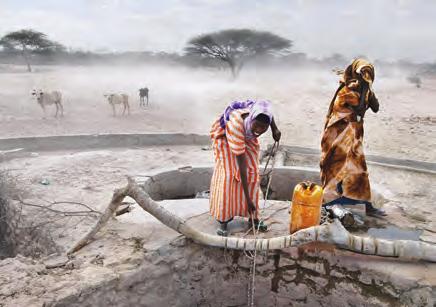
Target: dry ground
[{"x": 188, "y": 100}]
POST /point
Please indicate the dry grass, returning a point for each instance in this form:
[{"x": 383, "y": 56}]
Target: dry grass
[
  {"x": 17, "y": 234},
  {"x": 7, "y": 187}
]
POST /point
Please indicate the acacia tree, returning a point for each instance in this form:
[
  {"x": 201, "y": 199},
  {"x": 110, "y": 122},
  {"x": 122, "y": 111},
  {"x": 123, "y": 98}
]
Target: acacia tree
[
  {"x": 236, "y": 46},
  {"x": 28, "y": 41}
]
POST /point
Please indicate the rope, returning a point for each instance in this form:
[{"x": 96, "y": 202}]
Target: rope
[
  {"x": 251, "y": 283},
  {"x": 273, "y": 152}
]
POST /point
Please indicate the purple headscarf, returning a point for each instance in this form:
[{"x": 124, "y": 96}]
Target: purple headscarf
[{"x": 255, "y": 109}]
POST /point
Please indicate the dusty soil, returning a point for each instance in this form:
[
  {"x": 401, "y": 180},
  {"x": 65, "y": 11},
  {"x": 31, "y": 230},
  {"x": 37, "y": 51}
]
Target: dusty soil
[
  {"x": 90, "y": 178},
  {"x": 188, "y": 101},
  {"x": 135, "y": 253},
  {"x": 184, "y": 100}
]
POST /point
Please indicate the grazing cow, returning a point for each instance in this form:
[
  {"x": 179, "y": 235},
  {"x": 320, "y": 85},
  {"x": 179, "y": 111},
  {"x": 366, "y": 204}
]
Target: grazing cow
[
  {"x": 121, "y": 99},
  {"x": 143, "y": 92},
  {"x": 45, "y": 98}
]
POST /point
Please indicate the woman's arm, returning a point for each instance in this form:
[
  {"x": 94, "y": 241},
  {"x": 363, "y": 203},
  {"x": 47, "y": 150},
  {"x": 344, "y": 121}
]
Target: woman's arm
[
  {"x": 360, "y": 109},
  {"x": 275, "y": 131},
  {"x": 242, "y": 163}
]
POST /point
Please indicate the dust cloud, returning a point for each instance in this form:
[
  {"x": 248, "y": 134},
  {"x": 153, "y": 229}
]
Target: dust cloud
[{"x": 188, "y": 100}]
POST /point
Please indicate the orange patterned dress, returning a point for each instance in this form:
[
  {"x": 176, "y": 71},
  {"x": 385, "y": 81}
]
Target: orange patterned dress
[
  {"x": 227, "y": 198},
  {"x": 343, "y": 166}
]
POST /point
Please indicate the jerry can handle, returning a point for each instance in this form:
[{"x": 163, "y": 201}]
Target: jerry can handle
[{"x": 308, "y": 185}]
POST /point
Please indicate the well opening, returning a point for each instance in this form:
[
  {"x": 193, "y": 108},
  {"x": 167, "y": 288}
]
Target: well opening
[
  {"x": 184, "y": 273},
  {"x": 310, "y": 275},
  {"x": 183, "y": 184},
  {"x": 186, "y": 182},
  {"x": 18, "y": 234}
]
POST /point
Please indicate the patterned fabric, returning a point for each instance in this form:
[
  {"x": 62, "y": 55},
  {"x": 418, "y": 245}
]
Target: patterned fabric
[
  {"x": 259, "y": 107},
  {"x": 255, "y": 109},
  {"x": 227, "y": 198},
  {"x": 343, "y": 166},
  {"x": 359, "y": 68},
  {"x": 235, "y": 105}
]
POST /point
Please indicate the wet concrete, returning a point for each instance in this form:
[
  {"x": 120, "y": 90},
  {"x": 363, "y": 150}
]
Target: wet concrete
[{"x": 394, "y": 233}]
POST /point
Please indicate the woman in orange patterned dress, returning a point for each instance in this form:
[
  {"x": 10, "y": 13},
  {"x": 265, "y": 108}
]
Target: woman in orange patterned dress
[
  {"x": 344, "y": 173},
  {"x": 234, "y": 189}
]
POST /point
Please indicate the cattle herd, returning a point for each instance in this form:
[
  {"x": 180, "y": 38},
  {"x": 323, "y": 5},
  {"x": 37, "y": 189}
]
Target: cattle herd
[{"x": 46, "y": 98}]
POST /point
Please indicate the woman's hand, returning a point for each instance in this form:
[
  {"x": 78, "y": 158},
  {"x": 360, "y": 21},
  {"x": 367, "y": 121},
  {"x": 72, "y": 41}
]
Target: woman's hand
[
  {"x": 276, "y": 134},
  {"x": 373, "y": 102},
  {"x": 275, "y": 131}
]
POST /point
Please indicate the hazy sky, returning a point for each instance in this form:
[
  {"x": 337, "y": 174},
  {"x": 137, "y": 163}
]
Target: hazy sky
[{"x": 386, "y": 29}]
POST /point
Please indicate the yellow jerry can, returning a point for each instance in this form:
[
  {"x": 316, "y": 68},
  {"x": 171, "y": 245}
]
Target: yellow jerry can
[{"x": 306, "y": 206}]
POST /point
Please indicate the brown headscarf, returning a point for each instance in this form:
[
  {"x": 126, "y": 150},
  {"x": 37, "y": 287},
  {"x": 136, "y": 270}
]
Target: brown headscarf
[
  {"x": 359, "y": 76},
  {"x": 357, "y": 70}
]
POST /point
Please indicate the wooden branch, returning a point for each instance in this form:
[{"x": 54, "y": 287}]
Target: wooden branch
[
  {"x": 117, "y": 198},
  {"x": 66, "y": 213},
  {"x": 78, "y": 204},
  {"x": 333, "y": 233}
]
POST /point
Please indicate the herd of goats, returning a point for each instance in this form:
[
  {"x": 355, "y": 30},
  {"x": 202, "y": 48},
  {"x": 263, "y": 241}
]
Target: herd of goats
[{"x": 45, "y": 98}]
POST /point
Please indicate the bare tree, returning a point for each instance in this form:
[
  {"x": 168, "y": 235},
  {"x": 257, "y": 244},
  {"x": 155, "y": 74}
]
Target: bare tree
[
  {"x": 235, "y": 47},
  {"x": 415, "y": 79},
  {"x": 27, "y": 41}
]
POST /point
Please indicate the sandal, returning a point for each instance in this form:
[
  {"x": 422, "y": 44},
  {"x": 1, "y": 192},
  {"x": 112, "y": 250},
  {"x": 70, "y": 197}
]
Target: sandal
[
  {"x": 259, "y": 225},
  {"x": 374, "y": 212},
  {"x": 222, "y": 232}
]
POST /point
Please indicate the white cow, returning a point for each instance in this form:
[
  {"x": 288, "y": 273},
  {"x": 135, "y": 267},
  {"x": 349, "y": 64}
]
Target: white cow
[
  {"x": 45, "y": 98},
  {"x": 114, "y": 99}
]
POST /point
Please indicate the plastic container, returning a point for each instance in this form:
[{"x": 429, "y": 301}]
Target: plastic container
[{"x": 306, "y": 206}]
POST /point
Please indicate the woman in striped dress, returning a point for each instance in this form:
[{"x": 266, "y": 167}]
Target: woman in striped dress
[{"x": 234, "y": 187}]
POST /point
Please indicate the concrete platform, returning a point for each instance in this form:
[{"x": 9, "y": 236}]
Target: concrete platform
[{"x": 136, "y": 253}]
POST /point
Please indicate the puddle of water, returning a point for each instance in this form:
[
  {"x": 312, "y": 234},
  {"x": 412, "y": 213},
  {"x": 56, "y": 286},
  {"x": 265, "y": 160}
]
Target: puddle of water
[
  {"x": 238, "y": 224},
  {"x": 395, "y": 233}
]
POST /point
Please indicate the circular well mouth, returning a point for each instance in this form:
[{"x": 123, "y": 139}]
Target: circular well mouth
[
  {"x": 186, "y": 182},
  {"x": 175, "y": 190}
]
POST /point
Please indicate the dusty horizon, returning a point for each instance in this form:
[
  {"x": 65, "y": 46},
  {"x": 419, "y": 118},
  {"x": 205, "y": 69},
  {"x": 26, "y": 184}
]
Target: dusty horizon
[{"x": 385, "y": 30}]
